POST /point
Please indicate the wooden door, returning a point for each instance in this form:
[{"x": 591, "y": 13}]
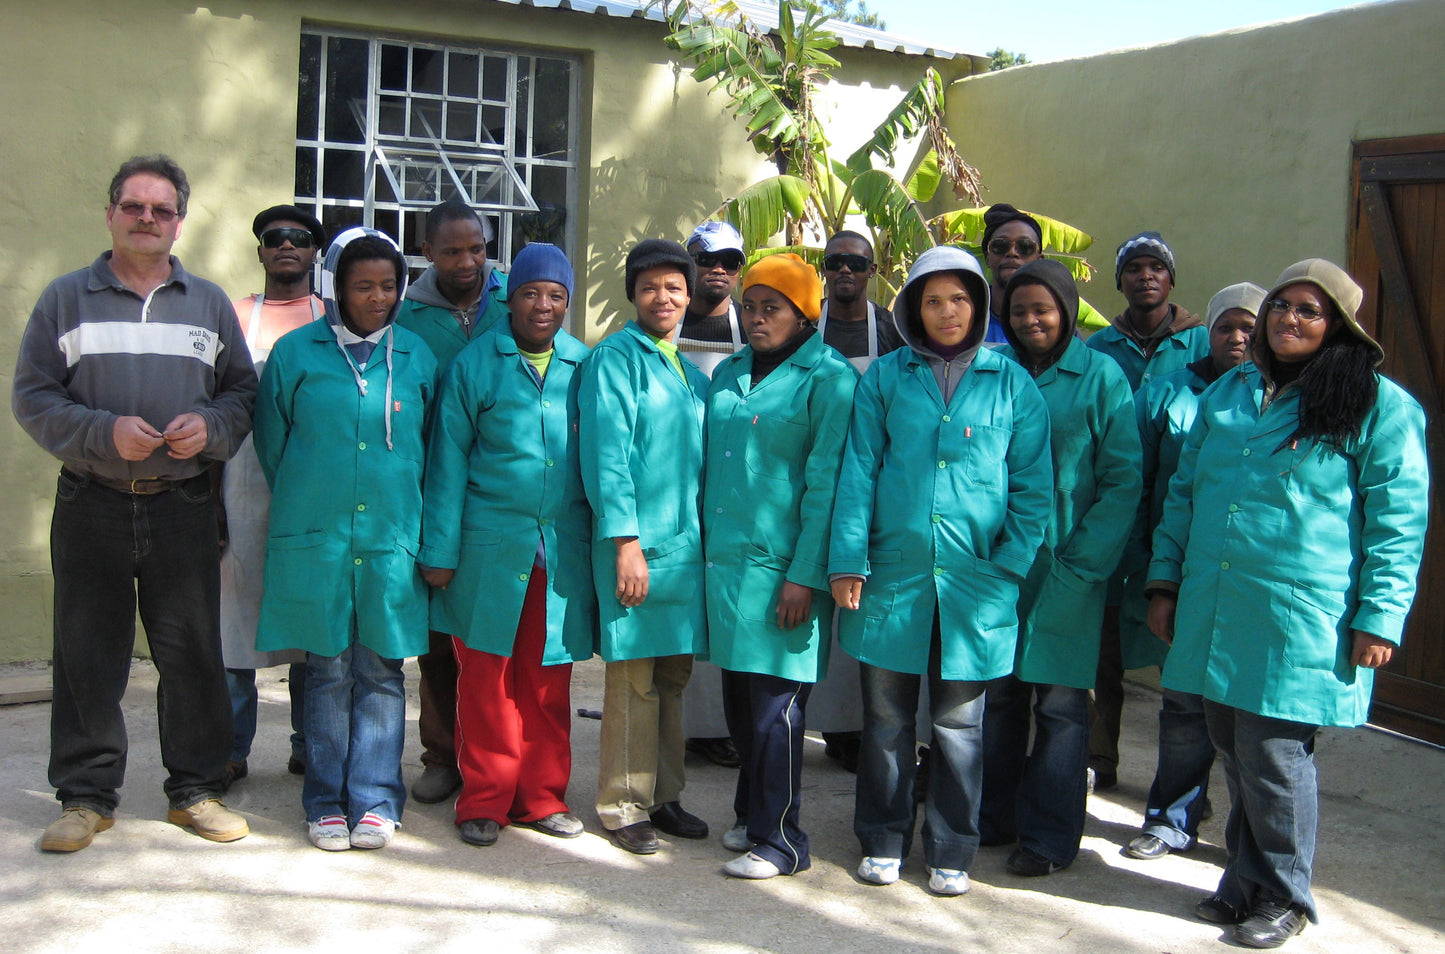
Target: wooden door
[{"x": 1397, "y": 252}]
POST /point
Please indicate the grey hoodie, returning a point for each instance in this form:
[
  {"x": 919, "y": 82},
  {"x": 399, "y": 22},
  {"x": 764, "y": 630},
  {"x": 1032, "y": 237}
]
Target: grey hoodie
[{"x": 943, "y": 258}]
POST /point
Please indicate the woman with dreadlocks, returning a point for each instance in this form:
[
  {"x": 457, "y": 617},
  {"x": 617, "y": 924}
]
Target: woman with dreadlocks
[{"x": 1289, "y": 543}]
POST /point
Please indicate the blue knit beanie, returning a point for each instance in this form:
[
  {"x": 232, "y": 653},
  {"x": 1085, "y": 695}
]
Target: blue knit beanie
[{"x": 540, "y": 262}]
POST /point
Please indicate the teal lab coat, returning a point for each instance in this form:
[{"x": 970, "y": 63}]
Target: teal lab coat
[
  {"x": 941, "y": 508},
  {"x": 503, "y": 474},
  {"x": 773, "y": 454},
  {"x": 345, "y": 510},
  {"x": 1171, "y": 354},
  {"x": 1165, "y": 409},
  {"x": 1095, "y": 450},
  {"x": 438, "y": 326},
  {"x": 641, "y": 429},
  {"x": 1281, "y": 552}
]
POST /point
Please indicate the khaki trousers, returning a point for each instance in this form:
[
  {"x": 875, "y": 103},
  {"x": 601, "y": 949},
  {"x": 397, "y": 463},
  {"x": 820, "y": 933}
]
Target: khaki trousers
[{"x": 641, "y": 752}]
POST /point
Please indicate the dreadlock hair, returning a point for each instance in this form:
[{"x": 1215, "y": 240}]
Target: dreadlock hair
[{"x": 1337, "y": 389}]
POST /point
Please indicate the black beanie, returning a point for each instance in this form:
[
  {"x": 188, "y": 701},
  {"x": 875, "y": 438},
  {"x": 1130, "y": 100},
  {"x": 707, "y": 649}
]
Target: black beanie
[
  {"x": 1001, "y": 214},
  {"x": 1143, "y": 245},
  {"x": 652, "y": 253}
]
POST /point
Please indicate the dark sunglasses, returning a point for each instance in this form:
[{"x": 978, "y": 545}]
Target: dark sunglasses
[
  {"x": 839, "y": 261},
  {"x": 1025, "y": 246},
  {"x": 299, "y": 238},
  {"x": 730, "y": 260}
]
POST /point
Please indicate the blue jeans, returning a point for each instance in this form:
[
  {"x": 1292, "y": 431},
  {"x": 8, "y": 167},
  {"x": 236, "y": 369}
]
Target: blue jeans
[
  {"x": 241, "y": 683},
  {"x": 355, "y": 729},
  {"x": 110, "y": 553},
  {"x": 1181, "y": 782},
  {"x": 765, "y": 719},
  {"x": 884, "y": 809},
  {"x": 1273, "y": 807},
  {"x": 1038, "y": 795}
]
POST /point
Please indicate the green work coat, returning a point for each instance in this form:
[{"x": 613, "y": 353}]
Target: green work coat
[
  {"x": 1095, "y": 451},
  {"x": 773, "y": 453},
  {"x": 438, "y": 326},
  {"x": 345, "y": 510},
  {"x": 641, "y": 429},
  {"x": 503, "y": 473},
  {"x": 941, "y": 508},
  {"x": 1171, "y": 354},
  {"x": 1165, "y": 409},
  {"x": 1281, "y": 551}
]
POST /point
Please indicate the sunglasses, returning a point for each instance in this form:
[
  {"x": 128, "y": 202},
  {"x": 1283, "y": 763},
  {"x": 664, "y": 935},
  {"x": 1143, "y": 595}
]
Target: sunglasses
[
  {"x": 1025, "y": 246},
  {"x": 299, "y": 238},
  {"x": 729, "y": 260},
  {"x": 161, "y": 214},
  {"x": 839, "y": 261}
]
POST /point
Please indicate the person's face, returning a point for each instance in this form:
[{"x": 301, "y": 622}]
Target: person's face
[
  {"x": 286, "y": 261},
  {"x": 1292, "y": 336},
  {"x": 1145, "y": 283},
  {"x": 1229, "y": 338},
  {"x": 946, "y": 309},
  {"x": 847, "y": 278},
  {"x": 459, "y": 253},
  {"x": 660, "y": 297},
  {"x": 769, "y": 318},
  {"x": 369, "y": 295},
  {"x": 1034, "y": 316},
  {"x": 717, "y": 272},
  {"x": 136, "y": 221},
  {"x": 1012, "y": 246},
  {"x": 537, "y": 312}
]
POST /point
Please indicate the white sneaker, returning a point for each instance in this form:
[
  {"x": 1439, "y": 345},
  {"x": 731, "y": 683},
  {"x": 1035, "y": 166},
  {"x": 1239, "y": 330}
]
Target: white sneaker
[
  {"x": 751, "y": 866},
  {"x": 372, "y": 831},
  {"x": 880, "y": 870},
  {"x": 329, "y": 833},
  {"x": 736, "y": 838},
  {"x": 948, "y": 882}
]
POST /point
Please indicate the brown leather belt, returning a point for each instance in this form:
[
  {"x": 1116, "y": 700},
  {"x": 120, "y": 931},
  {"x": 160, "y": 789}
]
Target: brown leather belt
[{"x": 143, "y": 486}]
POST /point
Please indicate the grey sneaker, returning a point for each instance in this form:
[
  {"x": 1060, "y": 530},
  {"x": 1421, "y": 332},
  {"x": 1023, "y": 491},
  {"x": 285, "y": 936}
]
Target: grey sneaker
[
  {"x": 736, "y": 838},
  {"x": 74, "y": 829},
  {"x": 557, "y": 824}
]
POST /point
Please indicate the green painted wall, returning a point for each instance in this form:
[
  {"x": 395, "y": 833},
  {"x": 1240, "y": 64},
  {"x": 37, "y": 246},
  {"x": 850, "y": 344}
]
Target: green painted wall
[
  {"x": 1236, "y": 146},
  {"x": 215, "y": 86}
]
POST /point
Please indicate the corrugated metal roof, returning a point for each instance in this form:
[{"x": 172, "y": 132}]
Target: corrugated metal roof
[{"x": 764, "y": 14}]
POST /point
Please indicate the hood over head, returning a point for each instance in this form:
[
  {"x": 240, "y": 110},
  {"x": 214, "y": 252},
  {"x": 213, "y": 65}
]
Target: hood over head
[
  {"x": 941, "y": 258},
  {"x": 1055, "y": 277},
  {"x": 374, "y": 244}
]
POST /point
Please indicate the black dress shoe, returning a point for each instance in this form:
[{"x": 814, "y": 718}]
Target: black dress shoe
[
  {"x": 296, "y": 766},
  {"x": 843, "y": 747},
  {"x": 1270, "y": 924},
  {"x": 674, "y": 820},
  {"x": 717, "y": 751},
  {"x": 481, "y": 832},
  {"x": 1216, "y": 910},
  {"x": 1030, "y": 864},
  {"x": 639, "y": 839},
  {"x": 1147, "y": 847}
]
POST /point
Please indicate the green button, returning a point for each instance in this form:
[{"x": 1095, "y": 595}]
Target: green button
[
  {"x": 937, "y": 518},
  {"x": 1224, "y": 565},
  {"x": 522, "y": 577},
  {"x": 947, "y": 418},
  {"x": 357, "y": 561},
  {"x": 361, "y": 446},
  {"x": 361, "y": 506},
  {"x": 546, "y": 403},
  {"x": 1233, "y": 508},
  {"x": 1246, "y": 452},
  {"x": 938, "y": 571},
  {"x": 549, "y": 462},
  {"x": 942, "y": 464}
]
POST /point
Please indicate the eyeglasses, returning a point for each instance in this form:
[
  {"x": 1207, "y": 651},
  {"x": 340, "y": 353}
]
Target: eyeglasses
[
  {"x": 1305, "y": 313},
  {"x": 159, "y": 213},
  {"x": 1025, "y": 246},
  {"x": 730, "y": 260},
  {"x": 299, "y": 238},
  {"x": 840, "y": 260}
]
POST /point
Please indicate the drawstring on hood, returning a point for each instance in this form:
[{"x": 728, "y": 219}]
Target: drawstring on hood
[
  {"x": 352, "y": 346},
  {"x": 947, "y": 370}
]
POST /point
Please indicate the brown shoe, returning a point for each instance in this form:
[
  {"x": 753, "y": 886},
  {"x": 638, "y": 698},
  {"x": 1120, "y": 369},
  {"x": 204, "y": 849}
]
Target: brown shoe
[
  {"x": 211, "y": 820},
  {"x": 74, "y": 829}
]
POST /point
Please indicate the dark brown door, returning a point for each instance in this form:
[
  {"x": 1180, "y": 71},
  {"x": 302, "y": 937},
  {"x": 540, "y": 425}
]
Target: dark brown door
[{"x": 1397, "y": 252}]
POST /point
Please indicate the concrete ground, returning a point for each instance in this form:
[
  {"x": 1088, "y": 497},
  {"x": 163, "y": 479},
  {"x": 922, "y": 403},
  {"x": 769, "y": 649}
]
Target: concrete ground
[{"x": 146, "y": 885}]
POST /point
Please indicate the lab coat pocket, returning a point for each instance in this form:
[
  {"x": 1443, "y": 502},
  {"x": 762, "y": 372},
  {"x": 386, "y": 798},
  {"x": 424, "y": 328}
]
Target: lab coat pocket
[
  {"x": 1312, "y": 634},
  {"x": 760, "y": 586},
  {"x": 292, "y": 563},
  {"x": 996, "y": 597},
  {"x": 776, "y": 448},
  {"x": 666, "y": 551},
  {"x": 985, "y": 448}
]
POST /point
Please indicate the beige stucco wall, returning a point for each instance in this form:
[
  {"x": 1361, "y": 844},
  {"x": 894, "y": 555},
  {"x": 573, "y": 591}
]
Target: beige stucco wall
[
  {"x": 215, "y": 87},
  {"x": 1236, "y": 146}
]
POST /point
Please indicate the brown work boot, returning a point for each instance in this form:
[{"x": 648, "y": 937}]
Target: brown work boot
[
  {"x": 74, "y": 829},
  {"x": 211, "y": 820}
]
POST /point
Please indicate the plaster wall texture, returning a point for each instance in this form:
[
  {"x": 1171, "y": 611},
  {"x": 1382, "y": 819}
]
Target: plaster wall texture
[
  {"x": 1236, "y": 146},
  {"x": 215, "y": 87}
]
